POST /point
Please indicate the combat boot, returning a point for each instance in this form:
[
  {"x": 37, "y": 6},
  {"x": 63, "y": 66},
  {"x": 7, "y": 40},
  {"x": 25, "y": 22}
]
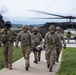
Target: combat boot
[
  {"x": 50, "y": 69},
  {"x": 26, "y": 68},
  {"x": 35, "y": 62},
  {"x": 48, "y": 65},
  {"x": 10, "y": 66}
]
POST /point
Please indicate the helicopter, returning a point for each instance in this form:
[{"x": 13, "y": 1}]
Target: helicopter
[
  {"x": 1, "y": 21},
  {"x": 63, "y": 25},
  {"x": 3, "y": 10}
]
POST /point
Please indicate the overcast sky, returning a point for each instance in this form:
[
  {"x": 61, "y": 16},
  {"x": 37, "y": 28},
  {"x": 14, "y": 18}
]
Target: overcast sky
[{"x": 14, "y": 10}]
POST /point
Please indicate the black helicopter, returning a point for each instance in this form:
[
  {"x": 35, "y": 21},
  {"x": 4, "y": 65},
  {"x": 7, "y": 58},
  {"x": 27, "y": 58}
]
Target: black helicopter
[
  {"x": 64, "y": 25},
  {"x": 3, "y": 10},
  {"x": 1, "y": 21}
]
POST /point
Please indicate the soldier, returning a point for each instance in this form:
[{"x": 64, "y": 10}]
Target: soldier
[
  {"x": 51, "y": 39},
  {"x": 37, "y": 38},
  {"x": 68, "y": 36},
  {"x": 58, "y": 47},
  {"x": 24, "y": 37},
  {"x": 7, "y": 39}
]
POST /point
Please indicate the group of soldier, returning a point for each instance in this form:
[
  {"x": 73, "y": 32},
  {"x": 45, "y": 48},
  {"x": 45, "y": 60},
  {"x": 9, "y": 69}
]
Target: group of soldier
[{"x": 29, "y": 41}]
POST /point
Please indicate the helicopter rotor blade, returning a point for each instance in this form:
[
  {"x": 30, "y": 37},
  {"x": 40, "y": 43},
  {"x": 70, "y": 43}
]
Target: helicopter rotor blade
[
  {"x": 46, "y": 18},
  {"x": 46, "y": 13}
]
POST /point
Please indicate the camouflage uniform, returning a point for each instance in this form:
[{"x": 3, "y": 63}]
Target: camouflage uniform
[
  {"x": 36, "y": 38},
  {"x": 75, "y": 37},
  {"x": 68, "y": 36},
  {"x": 51, "y": 39},
  {"x": 25, "y": 38},
  {"x": 8, "y": 37},
  {"x": 58, "y": 47}
]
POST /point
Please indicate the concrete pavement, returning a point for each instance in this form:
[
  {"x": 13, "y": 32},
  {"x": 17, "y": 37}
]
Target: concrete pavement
[
  {"x": 35, "y": 69},
  {"x": 72, "y": 43}
]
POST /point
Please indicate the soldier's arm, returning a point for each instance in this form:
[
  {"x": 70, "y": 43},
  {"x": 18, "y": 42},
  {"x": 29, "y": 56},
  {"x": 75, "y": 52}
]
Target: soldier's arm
[
  {"x": 59, "y": 41},
  {"x": 18, "y": 38},
  {"x": 1, "y": 32},
  {"x": 45, "y": 39},
  {"x": 14, "y": 35},
  {"x": 30, "y": 37},
  {"x": 13, "y": 32},
  {"x": 64, "y": 42},
  {"x": 41, "y": 38}
]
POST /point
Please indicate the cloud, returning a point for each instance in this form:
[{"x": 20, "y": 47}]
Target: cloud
[{"x": 17, "y": 8}]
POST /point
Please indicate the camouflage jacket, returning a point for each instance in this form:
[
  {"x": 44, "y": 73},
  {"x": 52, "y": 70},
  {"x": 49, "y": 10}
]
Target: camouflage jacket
[
  {"x": 8, "y": 35},
  {"x": 24, "y": 38},
  {"x": 36, "y": 39},
  {"x": 51, "y": 40},
  {"x": 62, "y": 38}
]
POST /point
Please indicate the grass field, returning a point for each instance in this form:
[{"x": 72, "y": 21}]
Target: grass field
[
  {"x": 68, "y": 64},
  {"x": 17, "y": 54},
  {"x": 17, "y": 29}
]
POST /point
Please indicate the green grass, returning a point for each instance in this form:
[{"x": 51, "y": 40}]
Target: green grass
[
  {"x": 15, "y": 29},
  {"x": 68, "y": 64},
  {"x": 17, "y": 54}
]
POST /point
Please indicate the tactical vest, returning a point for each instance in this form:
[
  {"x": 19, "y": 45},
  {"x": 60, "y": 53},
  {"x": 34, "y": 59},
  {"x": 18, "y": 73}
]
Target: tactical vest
[
  {"x": 25, "y": 38},
  {"x": 36, "y": 38},
  {"x": 7, "y": 36},
  {"x": 51, "y": 40}
]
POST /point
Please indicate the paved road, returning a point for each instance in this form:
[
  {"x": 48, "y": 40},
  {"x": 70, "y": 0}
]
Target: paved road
[{"x": 71, "y": 44}]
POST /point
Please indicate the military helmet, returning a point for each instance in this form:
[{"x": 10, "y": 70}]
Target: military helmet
[
  {"x": 7, "y": 24},
  {"x": 24, "y": 26},
  {"x": 58, "y": 28},
  {"x": 52, "y": 27},
  {"x": 35, "y": 29}
]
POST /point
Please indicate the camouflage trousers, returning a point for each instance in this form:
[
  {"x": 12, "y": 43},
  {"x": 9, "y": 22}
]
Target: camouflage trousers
[
  {"x": 49, "y": 56},
  {"x": 68, "y": 40},
  {"x": 8, "y": 49},
  {"x": 37, "y": 55},
  {"x": 58, "y": 50},
  {"x": 26, "y": 53}
]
